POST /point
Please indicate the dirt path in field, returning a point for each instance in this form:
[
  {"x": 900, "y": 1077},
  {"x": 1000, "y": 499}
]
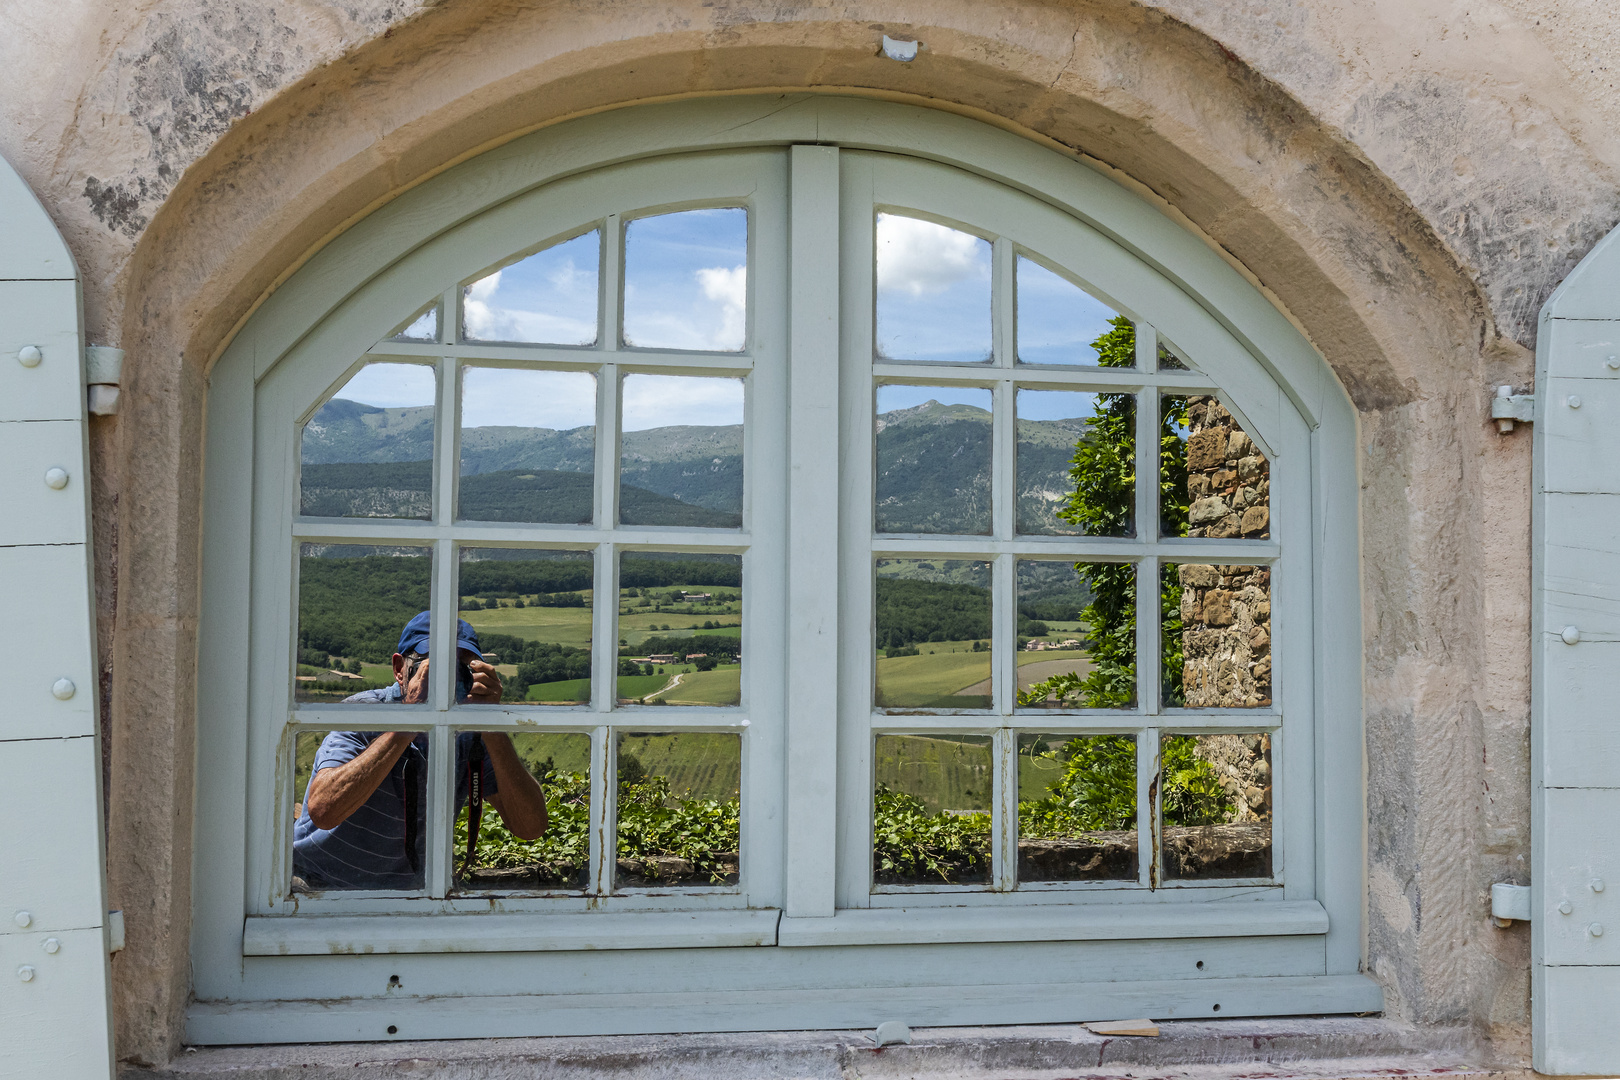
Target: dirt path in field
[{"x": 1030, "y": 674}]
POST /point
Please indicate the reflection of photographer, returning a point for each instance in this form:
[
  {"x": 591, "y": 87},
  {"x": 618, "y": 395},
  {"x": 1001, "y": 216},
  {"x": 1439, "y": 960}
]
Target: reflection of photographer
[{"x": 362, "y": 825}]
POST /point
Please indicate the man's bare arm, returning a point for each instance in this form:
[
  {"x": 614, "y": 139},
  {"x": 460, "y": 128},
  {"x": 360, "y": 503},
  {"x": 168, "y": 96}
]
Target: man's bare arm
[
  {"x": 337, "y": 792},
  {"x": 518, "y": 798}
]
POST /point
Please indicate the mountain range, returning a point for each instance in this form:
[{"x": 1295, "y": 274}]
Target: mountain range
[{"x": 933, "y": 470}]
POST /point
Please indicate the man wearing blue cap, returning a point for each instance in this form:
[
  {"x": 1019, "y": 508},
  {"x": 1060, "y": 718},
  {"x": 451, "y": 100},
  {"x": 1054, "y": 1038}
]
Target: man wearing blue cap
[{"x": 362, "y": 825}]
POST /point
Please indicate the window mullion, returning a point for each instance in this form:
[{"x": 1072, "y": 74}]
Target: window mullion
[
  {"x": 1003, "y": 320},
  {"x": 1004, "y": 823},
  {"x": 603, "y": 794},
  {"x": 1148, "y": 823},
  {"x": 610, "y": 285},
  {"x": 1004, "y": 634},
  {"x": 441, "y": 856}
]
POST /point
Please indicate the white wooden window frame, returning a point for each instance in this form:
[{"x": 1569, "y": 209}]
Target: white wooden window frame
[{"x": 1283, "y": 946}]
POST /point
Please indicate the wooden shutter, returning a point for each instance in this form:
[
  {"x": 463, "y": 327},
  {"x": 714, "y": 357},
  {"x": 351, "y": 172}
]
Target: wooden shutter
[
  {"x": 53, "y": 946},
  {"x": 1575, "y": 710}
]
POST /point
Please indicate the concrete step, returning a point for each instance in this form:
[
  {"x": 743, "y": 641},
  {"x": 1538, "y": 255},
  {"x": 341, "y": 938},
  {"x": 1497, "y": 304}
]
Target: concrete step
[{"x": 1305, "y": 1048}]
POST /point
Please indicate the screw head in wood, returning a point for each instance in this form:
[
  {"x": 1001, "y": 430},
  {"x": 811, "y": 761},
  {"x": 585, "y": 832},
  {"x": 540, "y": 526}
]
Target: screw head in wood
[
  {"x": 29, "y": 356},
  {"x": 1574, "y": 401},
  {"x": 24, "y": 919},
  {"x": 1565, "y": 907},
  {"x": 1597, "y": 884},
  {"x": 52, "y": 946},
  {"x": 56, "y": 479},
  {"x": 1570, "y": 635},
  {"x": 62, "y": 689},
  {"x": 1596, "y": 929},
  {"x": 1612, "y": 363},
  {"x": 26, "y": 973}
]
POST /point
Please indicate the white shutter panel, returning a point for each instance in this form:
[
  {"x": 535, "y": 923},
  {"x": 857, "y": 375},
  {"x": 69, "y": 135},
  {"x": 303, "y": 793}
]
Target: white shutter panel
[
  {"x": 53, "y": 911},
  {"x": 1575, "y": 705}
]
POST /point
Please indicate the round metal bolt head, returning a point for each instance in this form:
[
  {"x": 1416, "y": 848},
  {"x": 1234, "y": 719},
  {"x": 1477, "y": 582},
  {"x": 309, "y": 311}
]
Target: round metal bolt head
[
  {"x": 56, "y": 479},
  {"x": 1596, "y": 929},
  {"x": 29, "y": 356},
  {"x": 52, "y": 946},
  {"x": 1597, "y": 884},
  {"x": 1565, "y": 907},
  {"x": 1612, "y": 363},
  {"x": 24, "y": 919},
  {"x": 63, "y": 689},
  {"x": 26, "y": 973},
  {"x": 1570, "y": 635},
  {"x": 1574, "y": 401}
]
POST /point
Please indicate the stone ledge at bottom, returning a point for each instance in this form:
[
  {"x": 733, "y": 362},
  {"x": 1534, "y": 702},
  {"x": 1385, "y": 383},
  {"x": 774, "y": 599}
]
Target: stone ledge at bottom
[{"x": 1293, "y": 1048}]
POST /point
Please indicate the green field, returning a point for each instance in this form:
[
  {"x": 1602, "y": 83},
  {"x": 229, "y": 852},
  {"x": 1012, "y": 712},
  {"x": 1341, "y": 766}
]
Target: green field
[
  {"x": 934, "y": 679},
  {"x": 563, "y": 626},
  {"x": 945, "y": 772},
  {"x": 698, "y": 765},
  {"x": 722, "y": 686}
]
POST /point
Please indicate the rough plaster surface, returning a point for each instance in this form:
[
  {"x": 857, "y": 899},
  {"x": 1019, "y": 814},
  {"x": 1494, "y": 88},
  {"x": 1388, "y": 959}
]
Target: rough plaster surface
[{"x": 1408, "y": 178}]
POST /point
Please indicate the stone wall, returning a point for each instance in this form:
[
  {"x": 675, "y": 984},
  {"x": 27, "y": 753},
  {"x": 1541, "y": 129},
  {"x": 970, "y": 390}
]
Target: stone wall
[{"x": 1228, "y": 478}]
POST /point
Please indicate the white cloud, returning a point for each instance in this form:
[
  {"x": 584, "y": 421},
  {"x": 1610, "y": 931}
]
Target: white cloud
[
  {"x": 504, "y": 397},
  {"x": 729, "y": 288},
  {"x": 922, "y": 258},
  {"x": 652, "y": 401}
]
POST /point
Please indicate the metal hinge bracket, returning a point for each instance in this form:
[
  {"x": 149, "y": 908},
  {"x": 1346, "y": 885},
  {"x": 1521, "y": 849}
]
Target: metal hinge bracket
[
  {"x": 1509, "y": 902},
  {"x": 1507, "y": 407}
]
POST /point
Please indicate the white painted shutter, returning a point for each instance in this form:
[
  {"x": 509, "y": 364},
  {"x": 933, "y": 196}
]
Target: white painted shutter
[
  {"x": 1575, "y": 705},
  {"x": 53, "y": 944}
]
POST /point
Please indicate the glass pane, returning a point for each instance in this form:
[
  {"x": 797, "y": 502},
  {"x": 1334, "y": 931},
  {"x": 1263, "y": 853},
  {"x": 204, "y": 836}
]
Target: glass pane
[
  {"x": 1076, "y": 463},
  {"x": 1214, "y": 481},
  {"x": 422, "y": 327},
  {"x": 1061, "y": 323},
  {"x": 1217, "y": 636},
  {"x": 680, "y": 629},
  {"x": 933, "y": 460},
  {"x": 368, "y": 452},
  {"x": 679, "y": 810},
  {"x": 933, "y": 292},
  {"x": 1170, "y": 359},
  {"x": 353, "y": 604},
  {"x": 680, "y": 458},
  {"x": 380, "y": 844},
  {"x": 1076, "y": 635},
  {"x": 560, "y": 764},
  {"x": 532, "y": 612},
  {"x": 933, "y": 634},
  {"x": 686, "y": 280},
  {"x": 528, "y": 445},
  {"x": 1216, "y": 800},
  {"x": 931, "y": 809},
  {"x": 547, "y": 298},
  {"x": 1077, "y": 808}
]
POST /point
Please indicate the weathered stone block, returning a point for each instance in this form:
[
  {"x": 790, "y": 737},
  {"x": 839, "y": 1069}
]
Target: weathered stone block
[
  {"x": 1199, "y": 575},
  {"x": 1206, "y": 450},
  {"x": 1256, "y": 519},
  {"x": 1207, "y": 511},
  {"x": 1218, "y": 608}
]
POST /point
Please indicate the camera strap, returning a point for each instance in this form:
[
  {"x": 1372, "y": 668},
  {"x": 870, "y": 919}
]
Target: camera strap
[{"x": 475, "y": 799}]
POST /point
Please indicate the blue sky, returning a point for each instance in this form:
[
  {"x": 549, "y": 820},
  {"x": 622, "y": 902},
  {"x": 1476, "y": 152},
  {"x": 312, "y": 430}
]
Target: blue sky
[
  {"x": 652, "y": 401},
  {"x": 1057, "y": 320},
  {"x": 549, "y": 298},
  {"x": 391, "y": 386},
  {"x": 686, "y": 280},
  {"x": 933, "y": 291}
]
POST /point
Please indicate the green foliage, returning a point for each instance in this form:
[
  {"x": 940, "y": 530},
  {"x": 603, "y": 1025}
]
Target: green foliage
[
  {"x": 910, "y": 844},
  {"x": 705, "y": 832},
  {"x": 1097, "y": 790},
  {"x": 1192, "y": 793},
  {"x": 911, "y": 611},
  {"x": 356, "y": 607},
  {"x": 640, "y": 571},
  {"x": 709, "y": 644},
  {"x": 564, "y": 850}
]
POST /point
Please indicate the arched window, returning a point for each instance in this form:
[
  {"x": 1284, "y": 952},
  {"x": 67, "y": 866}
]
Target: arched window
[{"x": 895, "y": 545}]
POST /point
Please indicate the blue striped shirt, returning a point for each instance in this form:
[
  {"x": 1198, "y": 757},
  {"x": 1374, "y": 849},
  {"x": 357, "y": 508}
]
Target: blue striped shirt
[{"x": 367, "y": 849}]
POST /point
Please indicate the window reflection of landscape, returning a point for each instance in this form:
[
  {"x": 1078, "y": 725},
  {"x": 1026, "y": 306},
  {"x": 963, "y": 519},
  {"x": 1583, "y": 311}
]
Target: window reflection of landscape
[
  {"x": 933, "y": 460},
  {"x": 680, "y": 629},
  {"x": 368, "y": 452},
  {"x": 933, "y": 633},
  {"x": 931, "y": 809}
]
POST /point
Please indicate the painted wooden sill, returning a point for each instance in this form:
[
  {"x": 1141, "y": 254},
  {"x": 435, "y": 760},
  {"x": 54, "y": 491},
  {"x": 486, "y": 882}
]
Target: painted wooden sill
[
  {"x": 1091, "y": 922},
  {"x": 332, "y": 935}
]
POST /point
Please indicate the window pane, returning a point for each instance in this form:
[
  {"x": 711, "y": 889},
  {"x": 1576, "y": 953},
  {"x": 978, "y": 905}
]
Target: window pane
[
  {"x": 1214, "y": 481},
  {"x": 686, "y": 280},
  {"x": 1061, "y": 323},
  {"x": 931, "y": 809},
  {"x": 1217, "y": 636},
  {"x": 1170, "y": 359},
  {"x": 421, "y": 327},
  {"x": 933, "y": 292},
  {"x": 532, "y": 613},
  {"x": 368, "y": 452},
  {"x": 528, "y": 445},
  {"x": 1077, "y": 808},
  {"x": 933, "y": 460},
  {"x": 680, "y": 458},
  {"x": 1216, "y": 799},
  {"x": 558, "y": 859},
  {"x": 353, "y": 603},
  {"x": 381, "y": 844},
  {"x": 680, "y": 629},
  {"x": 1076, "y": 463},
  {"x": 679, "y": 810},
  {"x": 305, "y": 743},
  {"x": 548, "y": 298},
  {"x": 933, "y": 634},
  {"x": 1076, "y": 635}
]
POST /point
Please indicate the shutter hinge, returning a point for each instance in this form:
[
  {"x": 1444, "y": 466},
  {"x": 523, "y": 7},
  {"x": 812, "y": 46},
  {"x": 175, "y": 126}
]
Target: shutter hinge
[
  {"x": 1506, "y": 407},
  {"x": 1509, "y": 902}
]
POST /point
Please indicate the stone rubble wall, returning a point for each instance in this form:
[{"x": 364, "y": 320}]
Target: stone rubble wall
[{"x": 1228, "y": 478}]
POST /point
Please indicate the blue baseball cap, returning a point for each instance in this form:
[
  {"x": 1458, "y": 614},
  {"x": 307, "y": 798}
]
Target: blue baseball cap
[{"x": 414, "y": 638}]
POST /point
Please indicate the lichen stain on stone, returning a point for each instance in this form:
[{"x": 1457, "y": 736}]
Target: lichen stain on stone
[{"x": 185, "y": 82}]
